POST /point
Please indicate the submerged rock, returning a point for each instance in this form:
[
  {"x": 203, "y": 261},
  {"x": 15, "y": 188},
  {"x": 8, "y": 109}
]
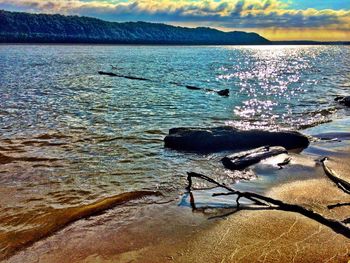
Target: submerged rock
[
  {"x": 242, "y": 160},
  {"x": 345, "y": 100},
  {"x": 228, "y": 138}
]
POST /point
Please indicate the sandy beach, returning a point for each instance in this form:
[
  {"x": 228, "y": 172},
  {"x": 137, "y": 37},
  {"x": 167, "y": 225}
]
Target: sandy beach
[
  {"x": 166, "y": 232},
  {"x": 188, "y": 131}
]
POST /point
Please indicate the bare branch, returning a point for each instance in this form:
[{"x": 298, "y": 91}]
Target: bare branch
[
  {"x": 338, "y": 205},
  {"x": 340, "y": 183},
  {"x": 335, "y": 225}
]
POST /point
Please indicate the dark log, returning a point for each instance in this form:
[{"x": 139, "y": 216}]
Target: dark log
[
  {"x": 107, "y": 73},
  {"x": 122, "y": 76},
  {"x": 242, "y": 160},
  {"x": 224, "y": 92},
  {"x": 192, "y": 87},
  {"x": 133, "y": 78}
]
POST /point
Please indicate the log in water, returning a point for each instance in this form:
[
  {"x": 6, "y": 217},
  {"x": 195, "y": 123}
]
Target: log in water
[{"x": 242, "y": 160}]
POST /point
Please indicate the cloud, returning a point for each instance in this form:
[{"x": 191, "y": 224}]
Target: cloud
[{"x": 238, "y": 14}]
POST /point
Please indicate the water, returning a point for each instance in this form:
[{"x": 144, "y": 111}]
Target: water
[{"x": 69, "y": 137}]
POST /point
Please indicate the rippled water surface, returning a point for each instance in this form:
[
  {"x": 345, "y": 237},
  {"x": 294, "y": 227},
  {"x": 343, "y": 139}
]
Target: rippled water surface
[{"x": 70, "y": 137}]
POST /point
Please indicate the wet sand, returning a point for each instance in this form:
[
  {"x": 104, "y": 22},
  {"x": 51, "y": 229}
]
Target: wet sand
[
  {"x": 169, "y": 233},
  {"x": 265, "y": 236}
]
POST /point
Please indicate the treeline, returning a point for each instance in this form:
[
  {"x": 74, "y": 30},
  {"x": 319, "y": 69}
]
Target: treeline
[{"x": 18, "y": 27}]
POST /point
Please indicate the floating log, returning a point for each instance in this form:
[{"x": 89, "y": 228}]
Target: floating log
[
  {"x": 108, "y": 73},
  {"x": 242, "y": 160},
  {"x": 192, "y": 87},
  {"x": 206, "y": 140},
  {"x": 224, "y": 92},
  {"x": 122, "y": 76}
]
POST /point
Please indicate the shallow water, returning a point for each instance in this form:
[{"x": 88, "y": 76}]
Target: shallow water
[{"x": 70, "y": 137}]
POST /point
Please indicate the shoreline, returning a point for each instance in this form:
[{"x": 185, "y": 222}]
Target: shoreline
[{"x": 174, "y": 233}]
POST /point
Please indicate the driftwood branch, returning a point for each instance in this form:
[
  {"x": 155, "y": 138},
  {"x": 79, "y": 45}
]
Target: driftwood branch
[
  {"x": 340, "y": 183},
  {"x": 258, "y": 199},
  {"x": 234, "y": 192},
  {"x": 284, "y": 162},
  {"x": 337, "y": 205},
  {"x": 346, "y": 221}
]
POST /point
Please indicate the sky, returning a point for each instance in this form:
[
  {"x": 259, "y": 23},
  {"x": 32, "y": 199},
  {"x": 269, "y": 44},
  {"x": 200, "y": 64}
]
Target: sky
[{"x": 321, "y": 20}]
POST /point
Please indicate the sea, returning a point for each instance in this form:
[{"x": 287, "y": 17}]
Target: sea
[{"x": 70, "y": 136}]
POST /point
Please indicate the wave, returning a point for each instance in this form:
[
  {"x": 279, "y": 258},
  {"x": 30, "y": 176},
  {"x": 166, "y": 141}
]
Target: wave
[
  {"x": 36, "y": 227},
  {"x": 5, "y": 159}
]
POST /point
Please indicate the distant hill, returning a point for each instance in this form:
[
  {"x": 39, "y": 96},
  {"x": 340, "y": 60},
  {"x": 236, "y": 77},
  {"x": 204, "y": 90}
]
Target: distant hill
[
  {"x": 309, "y": 42},
  {"x": 17, "y": 27}
]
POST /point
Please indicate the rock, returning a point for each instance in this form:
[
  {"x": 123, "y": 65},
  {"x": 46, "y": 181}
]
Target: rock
[
  {"x": 224, "y": 92},
  {"x": 345, "y": 100},
  {"x": 242, "y": 160},
  {"x": 228, "y": 138}
]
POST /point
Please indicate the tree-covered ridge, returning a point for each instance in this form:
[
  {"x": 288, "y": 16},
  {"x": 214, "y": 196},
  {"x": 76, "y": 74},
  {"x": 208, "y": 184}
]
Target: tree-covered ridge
[{"x": 24, "y": 27}]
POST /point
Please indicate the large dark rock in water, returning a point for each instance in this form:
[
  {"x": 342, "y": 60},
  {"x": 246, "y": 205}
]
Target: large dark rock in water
[
  {"x": 229, "y": 138},
  {"x": 242, "y": 160},
  {"x": 345, "y": 100}
]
